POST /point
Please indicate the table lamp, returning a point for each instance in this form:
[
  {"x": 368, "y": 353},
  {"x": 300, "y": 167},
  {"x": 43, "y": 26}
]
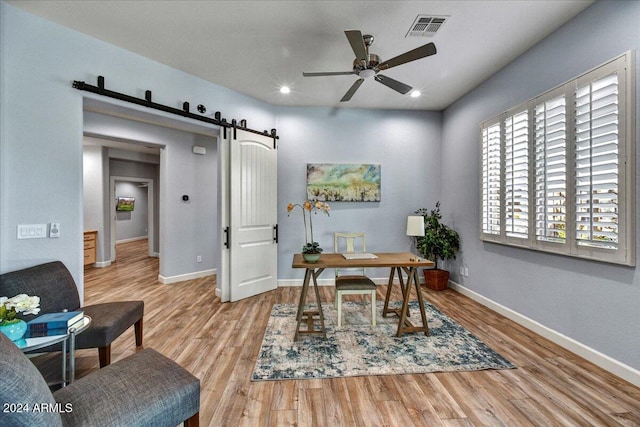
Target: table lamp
[{"x": 415, "y": 225}]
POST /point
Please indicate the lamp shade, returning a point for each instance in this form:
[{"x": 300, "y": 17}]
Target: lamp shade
[{"x": 415, "y": 225}]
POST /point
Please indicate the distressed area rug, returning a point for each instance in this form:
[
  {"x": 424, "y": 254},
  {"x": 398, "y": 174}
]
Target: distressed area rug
[{"x": 357, "y": 348}]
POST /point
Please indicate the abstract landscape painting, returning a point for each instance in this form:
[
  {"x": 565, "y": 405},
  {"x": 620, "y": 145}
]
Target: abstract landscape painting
[{"x": 342, "y": 182}]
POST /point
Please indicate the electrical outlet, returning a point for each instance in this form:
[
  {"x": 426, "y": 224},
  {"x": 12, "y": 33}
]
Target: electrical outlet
[
  {"x": 462, "y": 271},
  {"x": 466, "y": 272},
  {"x": 198, "y": 258},
  {"x": 54, "y": 230}
]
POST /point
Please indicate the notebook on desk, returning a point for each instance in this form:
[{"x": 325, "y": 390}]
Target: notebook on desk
[{"x": 360, "y": 256}]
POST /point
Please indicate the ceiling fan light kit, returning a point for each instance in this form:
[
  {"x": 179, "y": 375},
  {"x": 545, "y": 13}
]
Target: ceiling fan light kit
[{"x": 368, "y": 65}]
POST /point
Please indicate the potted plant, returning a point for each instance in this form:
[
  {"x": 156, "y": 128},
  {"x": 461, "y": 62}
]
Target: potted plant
[
  {"x": 10, "y": 325},
  {"x": 439, "y": 242},
  {"x": 311, "y": 250}
]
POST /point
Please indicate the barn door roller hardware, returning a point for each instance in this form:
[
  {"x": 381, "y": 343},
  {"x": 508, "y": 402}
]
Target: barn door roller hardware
[{"x": 184, "y": 112}]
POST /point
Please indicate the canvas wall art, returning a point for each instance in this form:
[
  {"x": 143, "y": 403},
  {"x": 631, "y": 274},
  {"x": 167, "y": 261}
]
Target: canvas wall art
[{"x": 339, "y": 182}]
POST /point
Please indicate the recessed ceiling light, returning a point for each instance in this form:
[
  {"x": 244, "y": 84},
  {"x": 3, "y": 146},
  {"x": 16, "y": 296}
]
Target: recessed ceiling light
[
  {"x": 285, "y": 89},
  {"x": 415, "y": 94}
]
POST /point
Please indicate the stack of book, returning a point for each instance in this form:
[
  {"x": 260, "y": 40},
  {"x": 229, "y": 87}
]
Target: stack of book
[{"x": 50, "y": 324}]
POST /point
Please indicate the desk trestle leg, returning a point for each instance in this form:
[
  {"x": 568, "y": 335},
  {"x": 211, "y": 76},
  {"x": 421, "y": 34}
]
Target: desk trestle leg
[
  {"x": 404, "y": 288},
  {"x": 404, "y": 325},
  {"x": 308, "y": 316}
]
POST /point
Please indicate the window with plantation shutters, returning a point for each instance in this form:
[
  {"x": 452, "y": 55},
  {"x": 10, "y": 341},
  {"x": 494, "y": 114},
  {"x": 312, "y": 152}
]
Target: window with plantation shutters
[
  {"x": 516, "y": 187},
  {"x": 551, "y": 169},
  {"x": 558, "y": 172},
  {"x": 596, "y": 162},
  {"x": 491, "y": 179}
]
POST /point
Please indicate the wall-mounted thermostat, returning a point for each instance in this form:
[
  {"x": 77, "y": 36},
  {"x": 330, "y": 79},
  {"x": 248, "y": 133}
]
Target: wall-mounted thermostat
[{"x": 199, "y": 150}]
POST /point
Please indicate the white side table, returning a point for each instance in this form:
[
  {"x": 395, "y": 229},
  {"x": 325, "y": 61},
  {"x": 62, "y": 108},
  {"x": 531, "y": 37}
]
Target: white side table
[{"x": 31, "y": 344}]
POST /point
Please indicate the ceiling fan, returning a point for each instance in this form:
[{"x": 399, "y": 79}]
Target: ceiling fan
[{"x": 368, "y": 64}]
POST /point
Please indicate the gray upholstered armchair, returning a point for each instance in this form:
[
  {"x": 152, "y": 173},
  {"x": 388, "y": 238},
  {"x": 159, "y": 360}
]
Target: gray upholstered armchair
[
  {"x": 145, "y": 389},
  {"x": 57, "y": 290}
]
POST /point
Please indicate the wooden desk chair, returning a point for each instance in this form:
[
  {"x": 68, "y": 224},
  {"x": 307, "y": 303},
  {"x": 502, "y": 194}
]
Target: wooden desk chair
[{"x": 346, "y": 281}]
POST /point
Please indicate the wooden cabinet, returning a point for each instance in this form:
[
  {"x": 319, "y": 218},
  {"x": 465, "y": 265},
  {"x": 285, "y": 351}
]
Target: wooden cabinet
[{"x": 90, "y": 241}]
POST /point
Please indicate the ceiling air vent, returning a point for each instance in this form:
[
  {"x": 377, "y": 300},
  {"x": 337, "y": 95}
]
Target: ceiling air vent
[{"x": 426, "y": 26}]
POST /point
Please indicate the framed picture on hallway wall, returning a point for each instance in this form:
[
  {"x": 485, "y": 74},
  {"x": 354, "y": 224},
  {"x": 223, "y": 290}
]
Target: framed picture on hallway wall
[
  {"x": 125, "y": 204},
  {"x": 343, "y": 182}
]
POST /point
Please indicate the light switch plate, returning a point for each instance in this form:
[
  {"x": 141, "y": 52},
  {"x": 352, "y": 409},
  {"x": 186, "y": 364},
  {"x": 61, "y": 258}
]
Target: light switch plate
[{"x": 32, "y": 231}]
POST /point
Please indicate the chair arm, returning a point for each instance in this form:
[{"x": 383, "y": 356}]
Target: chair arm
[{"x": 144, "y": 389}]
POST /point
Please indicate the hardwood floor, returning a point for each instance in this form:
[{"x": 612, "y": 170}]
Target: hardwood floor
[{"x": 219, "y": 344}]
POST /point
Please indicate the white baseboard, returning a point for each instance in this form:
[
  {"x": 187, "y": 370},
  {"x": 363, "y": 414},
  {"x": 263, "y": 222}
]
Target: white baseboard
[
  {"x": 102, "y": 264},
  {"x": 602, "y": 360},
  {"x": 132, "y": 239},
  {"x": 189, "y": 276}
]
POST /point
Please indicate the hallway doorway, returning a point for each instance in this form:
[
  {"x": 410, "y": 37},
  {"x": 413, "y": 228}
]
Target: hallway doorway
[
  {"x": 138, "y": 222},
  {"x": 185, "y": 185}
]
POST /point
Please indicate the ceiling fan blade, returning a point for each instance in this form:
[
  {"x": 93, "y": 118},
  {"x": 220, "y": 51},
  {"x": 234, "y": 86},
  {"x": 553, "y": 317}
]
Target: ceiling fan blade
[
  {"x": 393, "y": 84},
  {"x": 357, "y": 44},
  {"x": 328, "y": 73},
  {"x": 417, "y": 53},
  {"x": 354, "y": 87}
]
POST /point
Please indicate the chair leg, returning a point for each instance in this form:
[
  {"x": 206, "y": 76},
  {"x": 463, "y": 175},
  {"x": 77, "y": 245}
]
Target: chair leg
[
  {"x": 138, "y": 331},
  {"x": 339, "y": 309},
  {"x": 194, "y": 421},
  {"x": 104, "y": 354},
  {"x": 373, "y": 308}
]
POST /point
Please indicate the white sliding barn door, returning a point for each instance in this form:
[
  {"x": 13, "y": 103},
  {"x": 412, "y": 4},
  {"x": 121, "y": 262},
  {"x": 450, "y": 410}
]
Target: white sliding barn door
[{"x": 253, "y": 214}]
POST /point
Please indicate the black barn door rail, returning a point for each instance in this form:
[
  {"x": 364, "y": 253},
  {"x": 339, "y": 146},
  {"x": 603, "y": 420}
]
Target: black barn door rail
[{"x": 147, "y": 102}]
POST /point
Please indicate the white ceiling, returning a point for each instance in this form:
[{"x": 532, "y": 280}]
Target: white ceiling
[{"x": 254, "y": 47}]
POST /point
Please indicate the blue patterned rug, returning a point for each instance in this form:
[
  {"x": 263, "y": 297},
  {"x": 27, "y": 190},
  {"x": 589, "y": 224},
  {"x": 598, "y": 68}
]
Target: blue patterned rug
[{"x": 357, "y": 348}]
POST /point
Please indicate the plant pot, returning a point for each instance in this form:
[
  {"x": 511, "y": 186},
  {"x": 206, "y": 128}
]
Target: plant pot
[
  {"x": 311, "y": 258},
  {"x": 14, "y": 331},
  {"x": 436, "y": 279}
]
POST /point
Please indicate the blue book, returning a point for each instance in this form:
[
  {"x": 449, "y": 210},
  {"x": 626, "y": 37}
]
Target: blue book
[
  {"x": 60, "y": 320},
  {"x": 45, "y": 332}
]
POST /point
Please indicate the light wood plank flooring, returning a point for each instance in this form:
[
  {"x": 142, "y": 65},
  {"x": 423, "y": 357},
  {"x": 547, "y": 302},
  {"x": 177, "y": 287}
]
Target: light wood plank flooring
[{"x": 219, "y": 344}]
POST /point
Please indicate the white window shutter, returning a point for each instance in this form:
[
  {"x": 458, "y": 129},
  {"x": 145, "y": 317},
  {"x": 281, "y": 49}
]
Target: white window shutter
[
  {"x": 516, "y": 128},
  {"x": 596, "y": 163},
  {"x": 551, "y": 170},
  {"x": 491, "y": 179}
]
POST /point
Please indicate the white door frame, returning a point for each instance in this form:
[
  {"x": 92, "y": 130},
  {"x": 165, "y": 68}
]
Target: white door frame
[{"x": 150, "y": 211}]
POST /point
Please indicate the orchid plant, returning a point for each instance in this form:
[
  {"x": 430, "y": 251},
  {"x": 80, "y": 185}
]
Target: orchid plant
[
  {"x": 309, "y": 207},
  {"x": 22, "y": 303}
]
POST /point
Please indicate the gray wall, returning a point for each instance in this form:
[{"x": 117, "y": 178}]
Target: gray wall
[
  {"x": 407, "y": 145},
  {"x": 593, "y": 303}
]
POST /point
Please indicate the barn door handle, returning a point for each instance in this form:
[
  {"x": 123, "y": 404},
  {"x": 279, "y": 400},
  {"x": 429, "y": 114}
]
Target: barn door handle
[
  {"x": 275, "y": 233},
  {"x": 226, "y": 237}
]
